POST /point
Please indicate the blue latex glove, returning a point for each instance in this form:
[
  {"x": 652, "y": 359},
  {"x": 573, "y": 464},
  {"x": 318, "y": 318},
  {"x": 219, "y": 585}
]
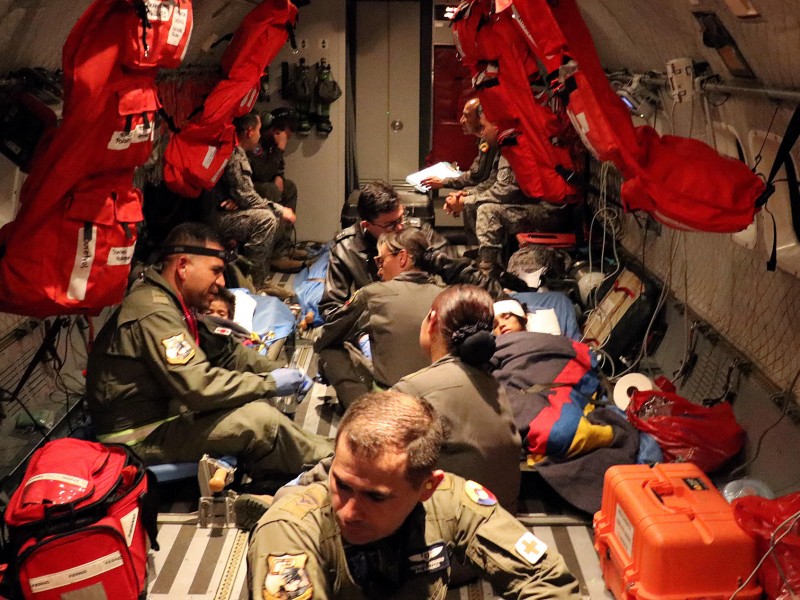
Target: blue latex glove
[{"x": 289, "y": 382}]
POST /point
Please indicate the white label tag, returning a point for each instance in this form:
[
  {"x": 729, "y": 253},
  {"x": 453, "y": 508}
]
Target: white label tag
[
  {"x": 121, "y": 140},
  {"x": 62, "y": 477},
  {"x": 180, "y": 18},
  {"x": 128, "y": 523},
  {"x": 120, "y": 256},
  {"x": 159, "y": 10},
  {"x": 79, "y": 573},
  {"x": 623, "y": 529},
  {"x": 209, "y": 157},
  {"x": 84, "y": 258}
]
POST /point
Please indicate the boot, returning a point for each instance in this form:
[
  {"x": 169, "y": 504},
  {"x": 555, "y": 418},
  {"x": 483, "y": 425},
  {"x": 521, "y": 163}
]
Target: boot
[
  {"x": 284, "y": 264},
  {"x": 249, "y": 508},
  {"x": 297, "y": 253},
  {"x": 489, "y": 259}
]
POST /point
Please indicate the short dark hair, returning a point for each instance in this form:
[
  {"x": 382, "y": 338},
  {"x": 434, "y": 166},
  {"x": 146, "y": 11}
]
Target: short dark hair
[
  {"x": 193, "y": 234},
  {"x": 227, "y": 296},
  {"x": 384, "y": 421},
  {"x": 410, "y": 239},
  {"x": 377, "y": 198},
  {"x": 245, "y": 122}
]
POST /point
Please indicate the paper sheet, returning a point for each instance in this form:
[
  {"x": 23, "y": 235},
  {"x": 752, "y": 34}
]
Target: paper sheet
[{"x": 441, "y": 170}]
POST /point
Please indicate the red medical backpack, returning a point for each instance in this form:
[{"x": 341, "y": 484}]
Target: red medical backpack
[{"x": 79, "y": 523}]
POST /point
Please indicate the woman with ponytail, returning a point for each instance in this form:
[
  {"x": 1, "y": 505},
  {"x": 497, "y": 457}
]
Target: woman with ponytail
[{"x": 482, "y": 442}]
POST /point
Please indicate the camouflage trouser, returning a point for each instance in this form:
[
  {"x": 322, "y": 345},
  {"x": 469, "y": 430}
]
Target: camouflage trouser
[
  {"x": 494, "y": 222},
  {"x": 255, "y": 231},
  {"x": 287, "y": 198},
  {"x": 468, "y": 216}
]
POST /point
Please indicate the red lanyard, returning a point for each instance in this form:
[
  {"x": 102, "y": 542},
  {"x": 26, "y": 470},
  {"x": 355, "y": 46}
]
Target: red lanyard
[{"x": 191, "y": 320}]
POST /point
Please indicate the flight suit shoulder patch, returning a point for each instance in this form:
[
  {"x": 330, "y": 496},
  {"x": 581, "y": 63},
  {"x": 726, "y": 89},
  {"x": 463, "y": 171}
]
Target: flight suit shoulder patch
[
  {"x": 530, "y": 547},
  {"x": 287, "y": 578},
  {"x": 223, "y": 331},
  {"x": 479, "y": 494},
  {"x": 177, "y": 349},
  {"x": 160, "y": 297},
  {"x": 484, "y": 147},
  {"x": 310, "y": 499}
]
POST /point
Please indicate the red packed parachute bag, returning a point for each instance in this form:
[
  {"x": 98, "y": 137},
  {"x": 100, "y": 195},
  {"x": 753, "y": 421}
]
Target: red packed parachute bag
[
  {"x": 501, "y": 63},
  {"x": 78, "y": 206},
  {"x": 189, "y": 167},
  {"x": 597, "y": 113},
  {"x": 79, "y": 523},
  {"x": 74, "y": 259},
  {"x": 767, "y": 520},
  {"x": 158, "y": 34},
  {"x": 261, "y": 35},
  {"x": 192, "y": 164},
  {"x": 686, "y": 184},
  {"x": 687, "y": 432},
  {"x": 538, "y": 159}
]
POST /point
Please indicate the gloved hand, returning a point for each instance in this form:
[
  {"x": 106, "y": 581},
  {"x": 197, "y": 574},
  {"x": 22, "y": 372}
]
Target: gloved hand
[{"x": 291, "y": 381}]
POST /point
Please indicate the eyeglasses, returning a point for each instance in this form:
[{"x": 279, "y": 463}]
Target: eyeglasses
[
  {"x": 379, "y": 259},
  {"x": 392, "y": 225}
]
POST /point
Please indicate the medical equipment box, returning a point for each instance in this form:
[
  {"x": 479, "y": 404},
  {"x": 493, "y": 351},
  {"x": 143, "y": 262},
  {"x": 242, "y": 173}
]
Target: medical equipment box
[{"x": 666, "y": 533}]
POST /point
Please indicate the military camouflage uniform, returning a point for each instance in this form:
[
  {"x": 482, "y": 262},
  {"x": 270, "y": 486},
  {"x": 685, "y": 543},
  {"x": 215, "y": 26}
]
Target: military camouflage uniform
[
  {"x": 267, "y": 163},
  {"x": 297, "y": 550},
  {"x": 479, "y": 171},
  {"x": 150, "y": 384},
  {"x": 255, "y": 223},
  {"x": 502, "y": 210}
]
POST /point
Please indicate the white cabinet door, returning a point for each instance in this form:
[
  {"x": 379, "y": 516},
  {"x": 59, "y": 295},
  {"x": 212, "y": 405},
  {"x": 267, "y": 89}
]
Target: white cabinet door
[{"x": 387, "y": 90}]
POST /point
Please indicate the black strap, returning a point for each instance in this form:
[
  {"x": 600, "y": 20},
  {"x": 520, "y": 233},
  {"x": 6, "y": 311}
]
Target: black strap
[
  {"x": 168, "y": 120},
  {"x": 788, "y": 141},
  {"x": 782, "y": 157},
  {"x": 292, "y": 38}
]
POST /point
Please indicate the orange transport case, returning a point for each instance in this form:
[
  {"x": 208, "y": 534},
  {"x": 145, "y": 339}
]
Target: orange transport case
[{"x": 666, "y": 533}]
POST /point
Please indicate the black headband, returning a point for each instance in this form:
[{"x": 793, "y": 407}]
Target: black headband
[{"x": 226, "y": 255}]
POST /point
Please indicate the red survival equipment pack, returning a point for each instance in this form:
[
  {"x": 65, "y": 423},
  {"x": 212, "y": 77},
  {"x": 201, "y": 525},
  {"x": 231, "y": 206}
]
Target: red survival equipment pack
[
  {"x": 69, "y": 249},
  {"x": 196, "y": 156},
  {"x": 81, "y": 519}
]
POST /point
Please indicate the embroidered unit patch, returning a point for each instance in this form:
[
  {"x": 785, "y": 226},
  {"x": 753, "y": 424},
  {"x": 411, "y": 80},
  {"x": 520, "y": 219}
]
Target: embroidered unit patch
[
  {"x": 178, "y": 350},
  {"x": 287, "y": 578},
  {"x": 431, "y": 559}
]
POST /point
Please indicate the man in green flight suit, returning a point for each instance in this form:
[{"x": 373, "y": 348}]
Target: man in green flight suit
[
  {"x": 174, "y": 387},
  {"x": 385, "y": 523}
]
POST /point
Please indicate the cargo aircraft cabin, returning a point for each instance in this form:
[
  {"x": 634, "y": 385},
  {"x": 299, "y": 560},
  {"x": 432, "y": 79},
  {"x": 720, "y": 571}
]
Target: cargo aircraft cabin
[{"x": 399, "y": 299}]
